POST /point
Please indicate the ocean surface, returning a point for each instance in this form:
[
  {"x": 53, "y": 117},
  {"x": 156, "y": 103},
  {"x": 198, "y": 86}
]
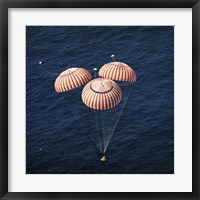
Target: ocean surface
[{"x": 62, "y": 133}]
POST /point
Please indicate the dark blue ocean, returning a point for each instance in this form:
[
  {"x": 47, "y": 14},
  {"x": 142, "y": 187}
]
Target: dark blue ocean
[{"x": 60, "y": 129}]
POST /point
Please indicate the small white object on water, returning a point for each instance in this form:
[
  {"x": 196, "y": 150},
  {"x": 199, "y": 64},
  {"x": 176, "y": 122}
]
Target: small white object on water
[
  {"x": 40, "y": 62},
  {"x": 103, "y": 159},
  {"x": 40, "y": 149},
  {"x": 113, "y": 57},
  {"x": 95, "y": 69}
]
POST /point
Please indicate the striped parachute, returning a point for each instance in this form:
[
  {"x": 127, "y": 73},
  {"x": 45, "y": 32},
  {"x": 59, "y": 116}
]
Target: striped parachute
[
  {"x": 101, "y": 94},
  {"x": 118, "y": 71},
  {"x": 71, "y": 78}
]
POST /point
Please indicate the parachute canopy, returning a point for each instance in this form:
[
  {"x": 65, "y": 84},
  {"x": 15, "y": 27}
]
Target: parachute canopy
[
  {"x": 118, "y": 71},
  {"x": 71, "y": 78},
  {"x": 101, "y": 94}
]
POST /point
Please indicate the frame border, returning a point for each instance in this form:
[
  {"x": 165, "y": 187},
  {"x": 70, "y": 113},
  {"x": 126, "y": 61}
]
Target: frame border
[{"x": 6, "y": 4}]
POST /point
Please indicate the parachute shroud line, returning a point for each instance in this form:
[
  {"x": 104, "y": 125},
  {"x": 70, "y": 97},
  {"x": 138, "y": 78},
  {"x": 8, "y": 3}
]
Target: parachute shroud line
[{"x": 113, "y": 130}]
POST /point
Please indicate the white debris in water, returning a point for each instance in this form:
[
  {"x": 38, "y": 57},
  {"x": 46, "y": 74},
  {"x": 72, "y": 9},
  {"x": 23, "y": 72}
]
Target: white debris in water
[
  {"x": 95, "y": 69},
  {"x": 112, "y": 56},
  {"x": 40, "y": 149},
  {"x": 40, "y": 62}
]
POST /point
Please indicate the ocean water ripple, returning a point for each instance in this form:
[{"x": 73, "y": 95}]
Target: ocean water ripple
[{"x": 59, "y": 126}]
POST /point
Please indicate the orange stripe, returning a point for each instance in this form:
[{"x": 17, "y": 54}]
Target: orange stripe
[{"x": 80, "y": 82}]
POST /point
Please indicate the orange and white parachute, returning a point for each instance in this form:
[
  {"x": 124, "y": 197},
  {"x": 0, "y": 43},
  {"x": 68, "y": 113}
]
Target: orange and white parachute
[
  {"x": 118, "y": 71},
  {"x": 101, "y": 94},
  {"x": 71, "y": 78}
]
